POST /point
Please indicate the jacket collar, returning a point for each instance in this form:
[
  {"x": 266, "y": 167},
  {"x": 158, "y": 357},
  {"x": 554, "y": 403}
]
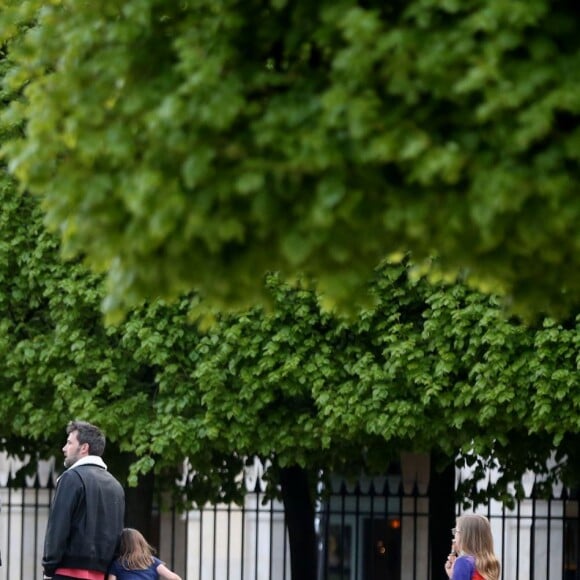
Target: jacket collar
[{"x": 89, "y": 460}]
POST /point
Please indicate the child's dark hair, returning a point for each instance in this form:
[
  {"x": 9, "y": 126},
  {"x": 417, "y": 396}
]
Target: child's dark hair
[{"x": 134, "y": 551}]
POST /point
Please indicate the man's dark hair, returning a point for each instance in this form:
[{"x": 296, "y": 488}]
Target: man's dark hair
[{"x": 88, "y": 433}]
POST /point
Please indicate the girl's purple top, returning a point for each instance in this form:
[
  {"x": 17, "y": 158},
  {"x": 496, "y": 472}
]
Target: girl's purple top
[{"x": 463, "y": 568}]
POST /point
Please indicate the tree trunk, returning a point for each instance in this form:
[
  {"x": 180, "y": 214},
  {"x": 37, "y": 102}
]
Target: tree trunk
[
  {"x": 441, "y": 515},
  {"x": 299, "y": 511}
]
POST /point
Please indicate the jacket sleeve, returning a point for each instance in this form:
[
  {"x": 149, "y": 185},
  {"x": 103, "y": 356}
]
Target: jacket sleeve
[{"x": 64, "y": 504}]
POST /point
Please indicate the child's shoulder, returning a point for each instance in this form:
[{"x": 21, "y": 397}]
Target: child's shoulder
[
  {"x": 115, "y": 567},
  {"x": 465, "y": 562}
]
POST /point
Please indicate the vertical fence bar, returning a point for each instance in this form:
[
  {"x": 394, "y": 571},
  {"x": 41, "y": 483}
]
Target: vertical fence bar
[
  {"x": 214, "y": 540},
  {"x": 186, "y": 543},
  {"x": 257, "y": 515},
  {"x": 371, "y": 546},
  {"x": 549, "y": 532},
  {"x": 271, "y": 551},
  {"x": 565, "y": 526},
  {"x": 228, "y": 546},
  {"x": 415, "y": 493},
  {"x": 8, "y": 558},
  {"x": 242, "y": 542},
  {"x": 344, "y": 493},
  {"x": 357, "y": 534},
  {"x": 22, "y": 523},
  {"x": 36, "y": 534},
  {"x": 201, "y": 510},
  {"x": 503, "y": 542},
  {"x": 173, "y": 526},
  {"x": 285, "y": 544},
  {"x": 518, "y": 533},
  {"x": 533, "y": 538},
  {"x": 384, "y": 493}
]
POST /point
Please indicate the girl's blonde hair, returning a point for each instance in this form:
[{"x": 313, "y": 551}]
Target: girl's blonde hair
[
  {"x": 476, "y": 539},
  {"x": 134, "y": 551}
]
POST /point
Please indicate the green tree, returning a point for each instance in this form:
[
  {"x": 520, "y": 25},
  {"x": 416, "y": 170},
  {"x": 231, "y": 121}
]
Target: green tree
[
  {"x": 296, "y": 386},
  {"x": 485, "y": 384},
  {"x": 137, "y": 380},
  {"x": 427, "y": 368},
  {"x": 58, "y": 360},
  {"x": 197, "y": 144}
]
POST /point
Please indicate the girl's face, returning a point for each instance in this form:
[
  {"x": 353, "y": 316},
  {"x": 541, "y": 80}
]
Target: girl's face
[{"x": 457, "y": 537}]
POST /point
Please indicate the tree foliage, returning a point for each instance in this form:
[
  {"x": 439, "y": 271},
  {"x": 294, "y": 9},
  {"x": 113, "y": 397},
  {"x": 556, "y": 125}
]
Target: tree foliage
[
  {"x": 197, "y": 144},
  {"x": 427, "y": 368},
  {"x": 58, "y": 360}
]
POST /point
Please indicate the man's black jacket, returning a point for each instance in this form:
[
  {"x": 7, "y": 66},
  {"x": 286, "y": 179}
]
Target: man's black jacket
[{"x": 86, "y": 519}]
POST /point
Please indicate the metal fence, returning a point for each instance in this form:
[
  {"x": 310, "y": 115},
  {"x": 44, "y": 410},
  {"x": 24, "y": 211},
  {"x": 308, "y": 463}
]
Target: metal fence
[
  {"x": 376, "y": 528},
  {"x": 538, "y": 539}
]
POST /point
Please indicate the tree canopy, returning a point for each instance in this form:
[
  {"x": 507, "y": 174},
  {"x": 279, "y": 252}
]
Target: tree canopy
[
  {"x": 58, "y": 361},
  {"x": 197, "y": 144},
  {"x": 427, "y": 368}
]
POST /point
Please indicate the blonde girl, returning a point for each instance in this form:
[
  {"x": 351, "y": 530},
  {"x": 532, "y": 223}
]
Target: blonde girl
[
  {"x": 136, "y": 560},
  {"x": 474, "y": 544}
]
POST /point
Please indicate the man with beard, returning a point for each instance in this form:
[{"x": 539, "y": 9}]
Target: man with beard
[{"x": 87, "y": 513}]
